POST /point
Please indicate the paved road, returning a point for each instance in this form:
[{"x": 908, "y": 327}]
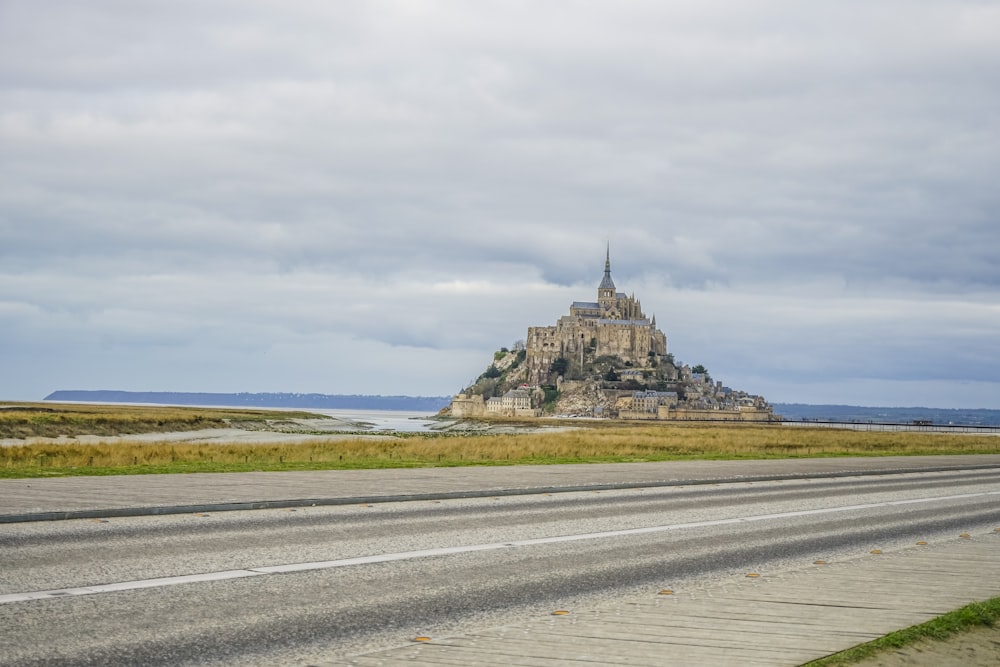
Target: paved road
[
  {"x": 90, "y": 497},
  {"x": 312, "y": 585}
]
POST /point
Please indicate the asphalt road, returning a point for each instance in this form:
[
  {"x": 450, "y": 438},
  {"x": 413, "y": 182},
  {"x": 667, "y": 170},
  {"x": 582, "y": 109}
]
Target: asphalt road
[{"x": 350, "y": 579}]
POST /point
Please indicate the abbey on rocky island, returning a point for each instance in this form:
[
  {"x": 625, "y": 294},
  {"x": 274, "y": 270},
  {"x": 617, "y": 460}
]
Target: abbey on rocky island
[{"x": 604, "y": 359}]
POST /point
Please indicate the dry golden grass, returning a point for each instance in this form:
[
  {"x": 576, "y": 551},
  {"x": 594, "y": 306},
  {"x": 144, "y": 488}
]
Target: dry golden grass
[
  {"x": 683, "y": 441},
  {"x": 26, "y": 420},
  {"x": 610, "y": 443}
]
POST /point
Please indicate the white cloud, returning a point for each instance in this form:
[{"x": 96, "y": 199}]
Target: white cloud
[{"x": 799, "y": 192}]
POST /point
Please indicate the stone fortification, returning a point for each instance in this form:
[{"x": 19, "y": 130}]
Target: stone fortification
[
  {"x": 466, "y": 405},
  {"x": 606, "y": 358},
  {"x": 614, "y": 326}
]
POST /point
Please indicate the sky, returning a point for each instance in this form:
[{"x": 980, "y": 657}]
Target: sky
[{"x": 371, "y": 197}]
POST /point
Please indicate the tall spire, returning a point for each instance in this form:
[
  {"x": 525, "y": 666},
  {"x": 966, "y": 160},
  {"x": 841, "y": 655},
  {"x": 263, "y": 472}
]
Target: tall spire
[{"x": 607, "y": 283}]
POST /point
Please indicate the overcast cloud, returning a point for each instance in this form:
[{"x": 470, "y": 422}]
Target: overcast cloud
[{"x": 371, "y": 197}]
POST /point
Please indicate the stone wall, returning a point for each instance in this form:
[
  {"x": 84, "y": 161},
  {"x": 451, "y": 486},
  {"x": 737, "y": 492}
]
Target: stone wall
[
  {"x": 542, "y": 347},
  {"x": 638, "y": 414},
  {"x": 743, "y": 414},
  {"x": 468, "y": 406}
]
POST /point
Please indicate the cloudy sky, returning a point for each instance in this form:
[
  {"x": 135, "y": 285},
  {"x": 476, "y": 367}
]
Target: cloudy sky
[{"x": 372, "y": 196}]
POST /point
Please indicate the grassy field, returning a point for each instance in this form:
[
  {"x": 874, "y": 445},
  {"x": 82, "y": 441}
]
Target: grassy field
[
  {"x": 25, "y": 420},
  {"x": 605, "y": 442}
]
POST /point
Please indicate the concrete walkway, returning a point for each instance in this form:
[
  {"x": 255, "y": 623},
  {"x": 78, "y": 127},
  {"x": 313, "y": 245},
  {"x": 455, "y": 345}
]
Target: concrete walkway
[
  {"x": 129, "y": 495},
  {"x": 775, "y": 619}
]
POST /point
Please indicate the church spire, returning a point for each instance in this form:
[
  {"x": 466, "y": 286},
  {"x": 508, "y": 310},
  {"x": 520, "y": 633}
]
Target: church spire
[{"x": 607, "y": 283}]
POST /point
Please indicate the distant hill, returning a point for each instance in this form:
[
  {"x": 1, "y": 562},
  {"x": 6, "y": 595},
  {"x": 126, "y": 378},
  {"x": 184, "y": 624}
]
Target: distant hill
[
  {"x": 854, "y": 413},
  {"x": 258, "y": 400}
]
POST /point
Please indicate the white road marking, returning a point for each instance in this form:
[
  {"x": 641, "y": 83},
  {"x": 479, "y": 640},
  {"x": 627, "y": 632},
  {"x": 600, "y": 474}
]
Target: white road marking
[{"x": 445, "y": 551}]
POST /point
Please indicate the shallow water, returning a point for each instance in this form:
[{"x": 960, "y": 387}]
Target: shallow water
[{"x": 384, "y": 420}]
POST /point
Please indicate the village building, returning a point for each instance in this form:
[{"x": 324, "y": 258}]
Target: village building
[{"x": 514, "y": 403}]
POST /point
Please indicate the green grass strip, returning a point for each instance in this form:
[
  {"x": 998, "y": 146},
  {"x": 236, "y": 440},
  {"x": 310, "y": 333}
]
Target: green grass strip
[{"x": 975, "y": 615}]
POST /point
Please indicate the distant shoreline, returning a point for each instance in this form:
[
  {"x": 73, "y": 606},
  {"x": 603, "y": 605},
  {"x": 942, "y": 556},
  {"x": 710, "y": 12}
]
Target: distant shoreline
[
  {"x": 432, "y": 404},
  {"x": 862, "y": 414},
  {"x": 429, "y": 404}
]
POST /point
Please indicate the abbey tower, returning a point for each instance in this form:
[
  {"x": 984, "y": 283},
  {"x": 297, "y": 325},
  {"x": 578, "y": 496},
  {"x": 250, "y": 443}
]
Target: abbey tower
[{"x": 612, "y": 326}]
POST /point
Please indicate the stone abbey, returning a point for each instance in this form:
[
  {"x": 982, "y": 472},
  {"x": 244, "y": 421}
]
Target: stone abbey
[
  {"x": 606, "y": 358},
  {"x": 612, "y": 326}
]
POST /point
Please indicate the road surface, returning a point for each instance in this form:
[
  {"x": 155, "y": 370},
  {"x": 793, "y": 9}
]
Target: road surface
[{"x": 311, "y": 585}]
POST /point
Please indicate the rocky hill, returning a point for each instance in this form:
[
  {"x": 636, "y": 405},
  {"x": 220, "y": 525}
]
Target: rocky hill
[
  {"x": 608, "y": 386},
  {"x": 506, "y": 372},
  {"x": 603, "y": 358}
]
